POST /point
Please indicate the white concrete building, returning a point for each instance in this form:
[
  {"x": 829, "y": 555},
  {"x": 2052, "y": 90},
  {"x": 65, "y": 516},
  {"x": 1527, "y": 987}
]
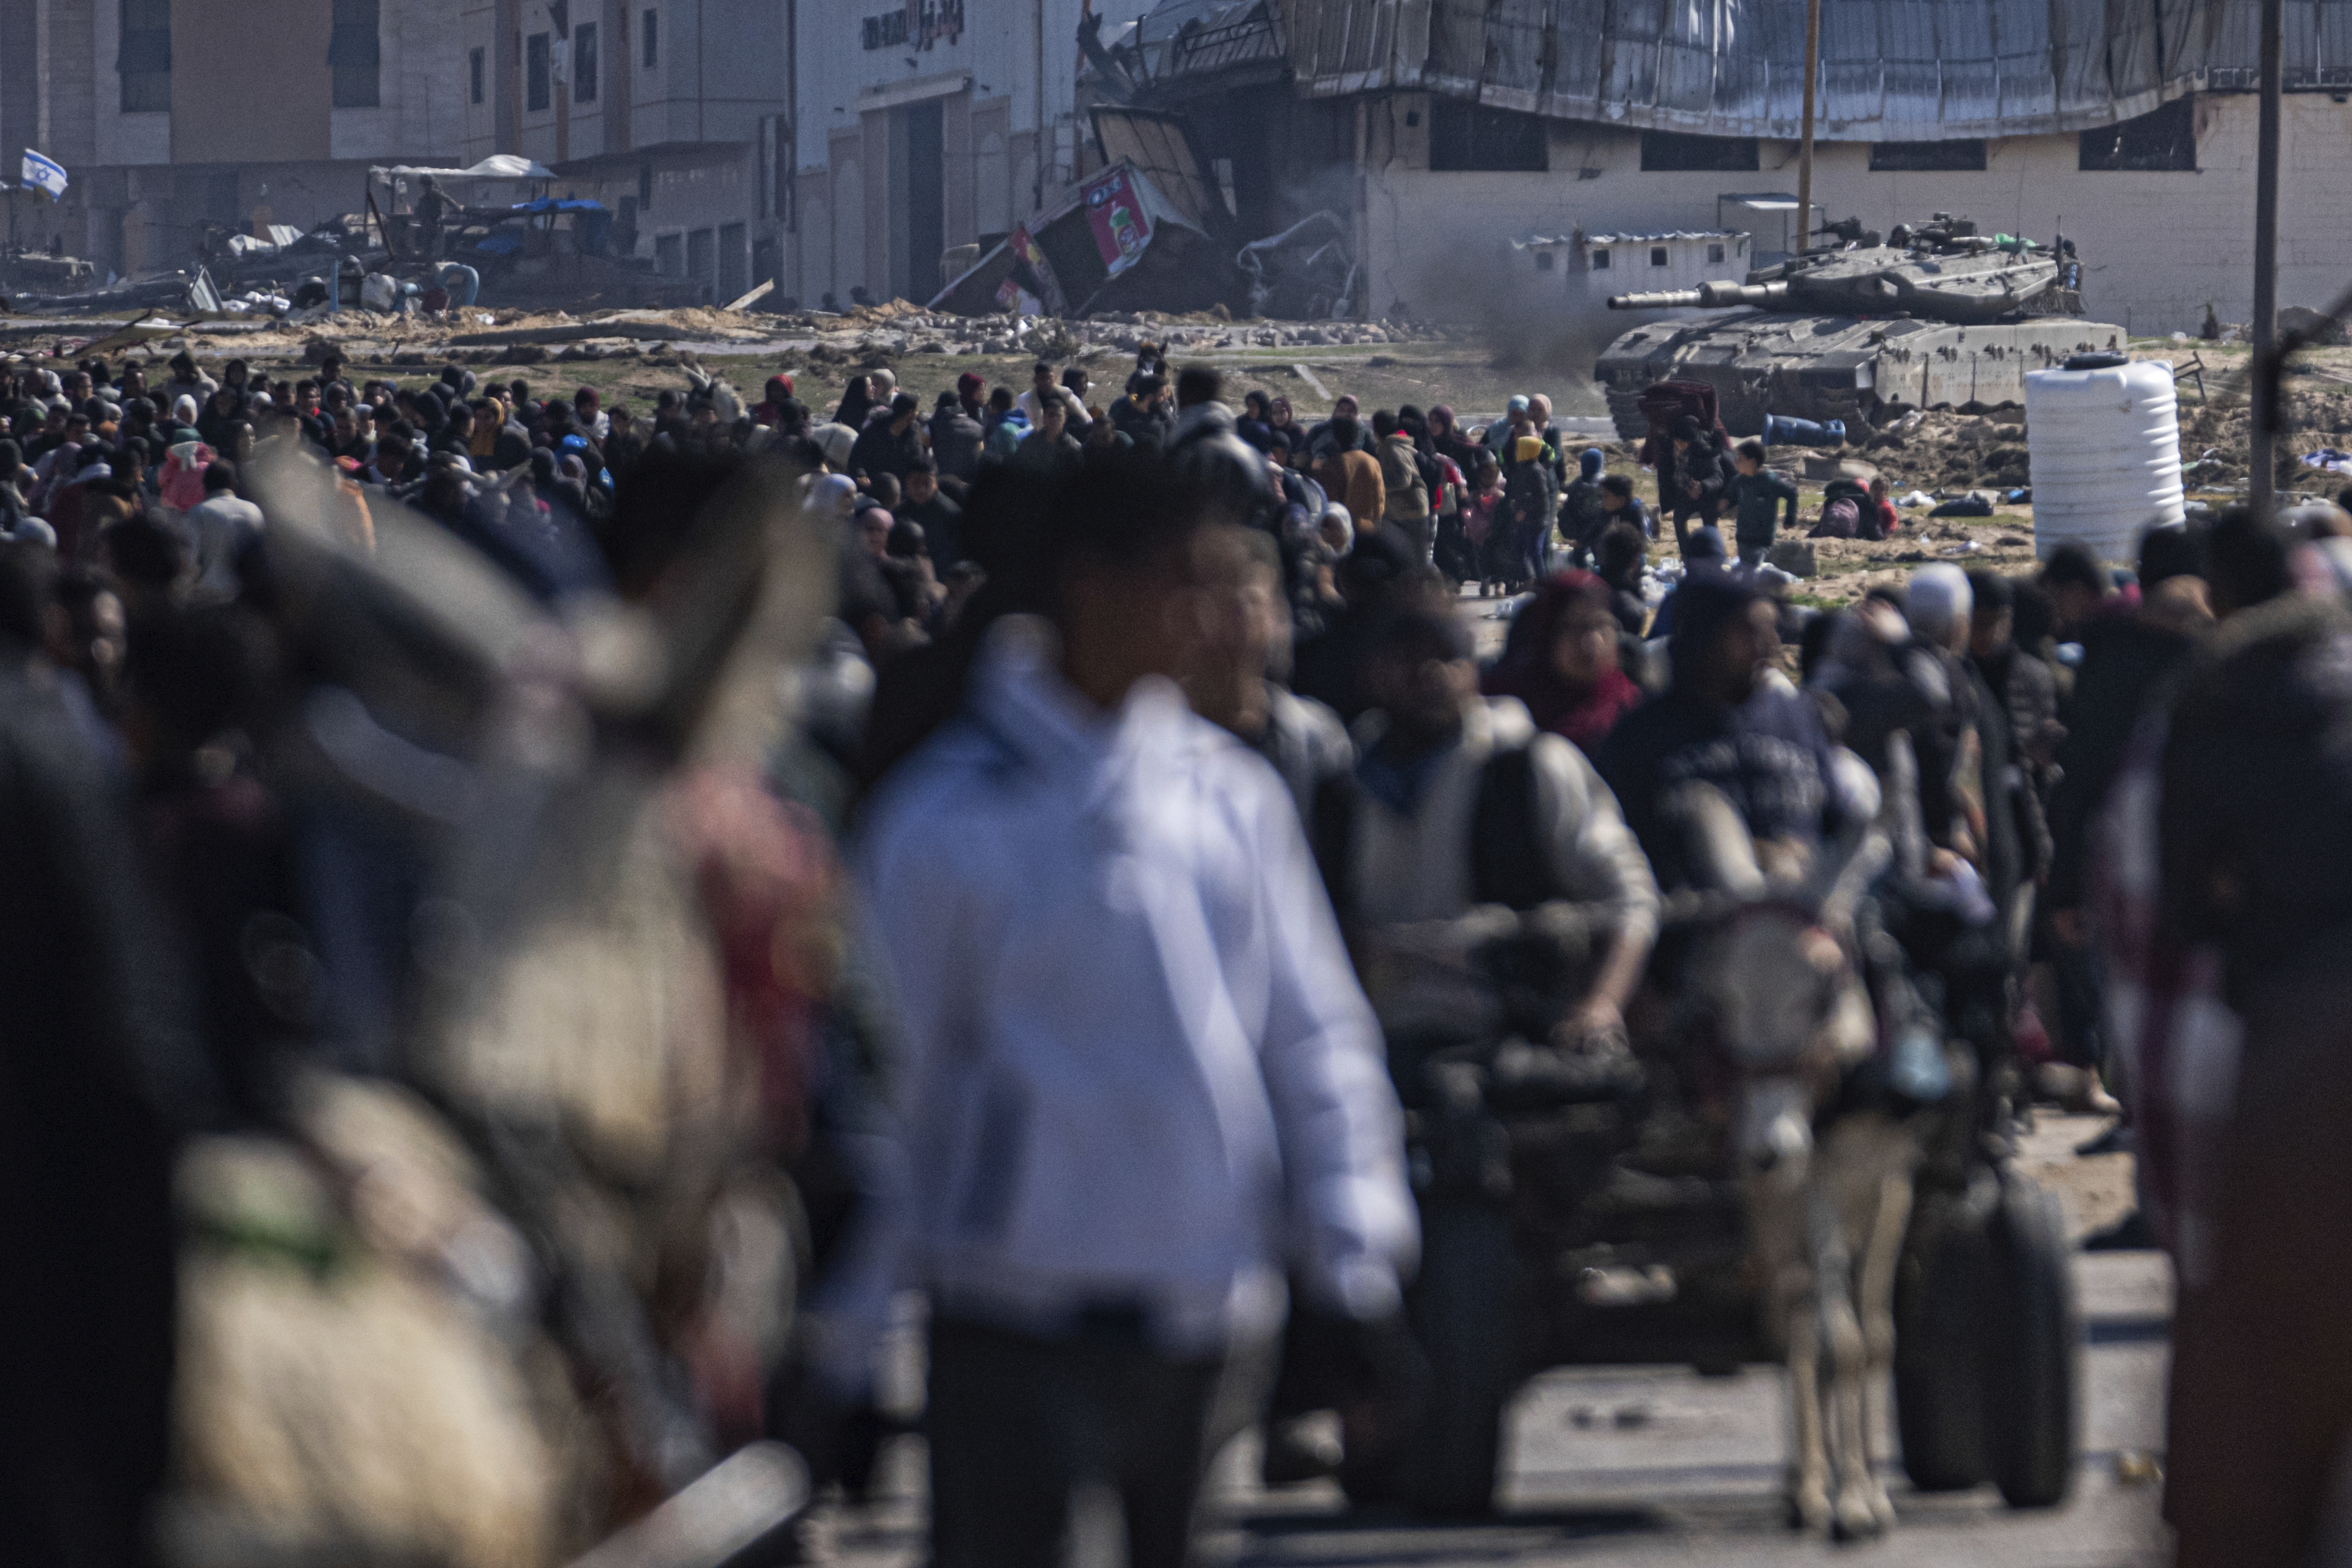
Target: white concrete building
[
  {"x": 2158, "y": 244},
  {"x": 924, "y": 126},
  {"x": 169, "y": 115},
  {"x": 1449, "y": 131},
  {"x": 666, "y": 110}
]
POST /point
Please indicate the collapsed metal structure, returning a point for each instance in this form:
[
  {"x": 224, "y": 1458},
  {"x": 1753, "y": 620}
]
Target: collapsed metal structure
[{"x": 1892, "y": 70}]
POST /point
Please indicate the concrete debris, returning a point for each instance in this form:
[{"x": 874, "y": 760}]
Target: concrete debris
[
  {"x": 1307, "y": 270},
  {"x": 754, "y": 295},
  {"x": 867, "y": 336}
]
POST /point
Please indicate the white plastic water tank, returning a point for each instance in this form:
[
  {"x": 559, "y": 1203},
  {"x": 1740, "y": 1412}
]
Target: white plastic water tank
[{"x": 2103, "y": 434}]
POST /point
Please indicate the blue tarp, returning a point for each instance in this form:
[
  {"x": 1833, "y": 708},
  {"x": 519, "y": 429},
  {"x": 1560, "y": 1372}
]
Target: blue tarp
[{"x": 549, "y": 204}]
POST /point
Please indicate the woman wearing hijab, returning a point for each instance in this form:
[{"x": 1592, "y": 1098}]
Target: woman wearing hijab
[
  {"x": 1256, "y": 423},
  {"x": 183, "y": 424},
  {"x": 1449, "y": 439},
  {"x": 1564, "y": 665},
  {"x": 856, "y": 403}
]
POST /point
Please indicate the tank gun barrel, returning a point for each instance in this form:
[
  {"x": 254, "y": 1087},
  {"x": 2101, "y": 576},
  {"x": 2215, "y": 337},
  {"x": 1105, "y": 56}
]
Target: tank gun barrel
[
  {"x": 1705, "y": 297},
  {"x": 1723, "y": 295},
  {"x": 1663, "y": 299}
]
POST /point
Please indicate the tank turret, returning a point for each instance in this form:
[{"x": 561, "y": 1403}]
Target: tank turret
[
  {"x": 1943, "y": 270},
  {"x": 1940, "y": 315}
]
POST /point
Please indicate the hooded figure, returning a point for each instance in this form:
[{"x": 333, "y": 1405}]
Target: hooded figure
[{"x": 1582, "y": 516}]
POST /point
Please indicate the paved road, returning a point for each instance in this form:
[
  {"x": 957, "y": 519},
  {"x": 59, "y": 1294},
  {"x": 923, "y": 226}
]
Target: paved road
[{"x": 1659, "y": 1466}]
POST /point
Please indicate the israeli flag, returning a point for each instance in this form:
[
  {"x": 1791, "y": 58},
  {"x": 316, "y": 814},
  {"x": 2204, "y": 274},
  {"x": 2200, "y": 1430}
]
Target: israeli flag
[{"x": 45, "y": 174}]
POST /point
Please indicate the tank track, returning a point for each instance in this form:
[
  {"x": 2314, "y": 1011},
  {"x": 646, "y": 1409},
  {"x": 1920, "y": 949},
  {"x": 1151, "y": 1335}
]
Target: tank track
[
  {"x": 1625, "y": 409},
  {"x": 1857, "y": 409}
]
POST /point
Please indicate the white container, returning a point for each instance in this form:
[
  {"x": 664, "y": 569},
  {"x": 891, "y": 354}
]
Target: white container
[{"x": 2105, "y": 449}]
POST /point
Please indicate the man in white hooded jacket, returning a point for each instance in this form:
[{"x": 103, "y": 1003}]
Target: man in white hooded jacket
[{"x": 1140, "y": 1083}]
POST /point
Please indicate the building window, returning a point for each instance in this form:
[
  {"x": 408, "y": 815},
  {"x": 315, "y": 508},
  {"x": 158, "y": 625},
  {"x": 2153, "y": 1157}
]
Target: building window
[
  {"x": 2164, "y": 141},
  {"x": 1963, "y": 156},
  {"x": 583, "y": 63},
  {"x": 474, "y": 68},
  {"x": 1658, "y": 257},
  {"x": 670, "y": 255},
  {"x": 1468, "y": 136},
  {"x": 652, "y": 38},
  {"x": 1671, "y": 152},
  {"x": 1714, "y": 255},
  {"x": 144, "y": 58},
  {"x": 1600, "y": 261},
  {"x": 644, "y": 187},
  {"x": 354, "y": 53},
  {"x": 535, "y": 72},
  {"x": 702, "y": 257},
  {"x": 1543, "y": 261}
]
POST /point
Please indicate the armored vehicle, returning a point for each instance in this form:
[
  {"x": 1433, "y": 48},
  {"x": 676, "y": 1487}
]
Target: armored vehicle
[{"x": 1933, "y": 316}]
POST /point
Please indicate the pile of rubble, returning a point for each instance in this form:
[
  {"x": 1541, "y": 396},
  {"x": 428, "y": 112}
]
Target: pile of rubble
[
  {"x": 1939, "y": 450},
  {"x": 1943, "y": 451},
  {"x": 905, "y": 329},
  {"x": 862, "y": 336}
]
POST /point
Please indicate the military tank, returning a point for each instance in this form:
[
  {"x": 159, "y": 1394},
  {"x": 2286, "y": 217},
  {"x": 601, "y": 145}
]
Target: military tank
[{"x": 1933, "y": 316}]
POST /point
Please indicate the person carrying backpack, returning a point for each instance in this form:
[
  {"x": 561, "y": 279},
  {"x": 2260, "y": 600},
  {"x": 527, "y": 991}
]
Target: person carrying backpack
[
  {"x": 1530, "y": 498},
  {"x": 1582, "y": 516},
  {"x": 1406, "y": 492}
]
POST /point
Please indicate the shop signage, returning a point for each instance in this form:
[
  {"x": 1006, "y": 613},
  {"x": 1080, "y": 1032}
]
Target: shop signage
[{"x": 917, "y": 25}]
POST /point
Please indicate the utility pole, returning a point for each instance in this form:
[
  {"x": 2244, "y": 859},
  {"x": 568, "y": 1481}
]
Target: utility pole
[
  {"x": 2263, "y": 414},
  {"x": 1805, "y": 148}
]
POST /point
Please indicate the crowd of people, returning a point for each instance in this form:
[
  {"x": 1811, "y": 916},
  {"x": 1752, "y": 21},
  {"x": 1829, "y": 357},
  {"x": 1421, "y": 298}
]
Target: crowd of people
[{"x": 1159, "y": 719}]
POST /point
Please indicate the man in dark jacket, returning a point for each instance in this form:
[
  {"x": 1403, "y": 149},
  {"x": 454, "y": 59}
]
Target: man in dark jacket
[
  {"x": 1691, "y": 479},
  {"x": 2022, "y": 686},
  {"x": 2127, "y": 653},
  {"x": 1714, "y": 724},
  {"x": 1141, "y": 414},
  {"x": 889, "y": 446},
  {"x": 956, "y": 440},
  {"x": 1205, "y": 445},
  {"x": 940, "y": 518}
]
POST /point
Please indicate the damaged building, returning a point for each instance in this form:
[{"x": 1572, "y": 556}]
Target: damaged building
[
  {"x": 181, "y": 121},
  {"x": 1466, "y": 142}
]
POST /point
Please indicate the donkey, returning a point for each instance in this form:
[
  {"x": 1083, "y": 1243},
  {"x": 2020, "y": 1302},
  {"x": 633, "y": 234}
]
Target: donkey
[
  {"x": 1826, "y": 1176},
  {"x": 589, "y": 1200}
]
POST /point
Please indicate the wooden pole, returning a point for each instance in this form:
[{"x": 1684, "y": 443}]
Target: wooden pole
[
  {"x": 2264, "y": 412},
  {"x": 1805, "y": 148}
]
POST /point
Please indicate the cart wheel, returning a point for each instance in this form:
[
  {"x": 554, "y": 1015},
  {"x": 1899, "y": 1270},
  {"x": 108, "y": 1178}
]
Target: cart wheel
[
  {"x": 2032, "y": 1411},
  {"x": 1939, "y": 1350},
  {"x": 1464, "y": 1312}
]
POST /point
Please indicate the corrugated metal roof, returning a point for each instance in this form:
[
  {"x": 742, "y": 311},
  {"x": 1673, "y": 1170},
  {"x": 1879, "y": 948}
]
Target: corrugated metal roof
[{"x": 1891, "y": 70}]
